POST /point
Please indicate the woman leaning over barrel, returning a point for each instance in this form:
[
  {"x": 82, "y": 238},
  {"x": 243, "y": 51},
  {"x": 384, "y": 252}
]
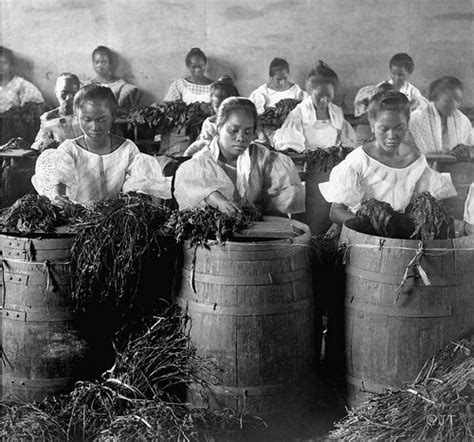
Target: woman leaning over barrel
[
  {"x": 97, "y": 165},
  {"x": 386, "y": 169},
  {"x": 234, "y": 170}
]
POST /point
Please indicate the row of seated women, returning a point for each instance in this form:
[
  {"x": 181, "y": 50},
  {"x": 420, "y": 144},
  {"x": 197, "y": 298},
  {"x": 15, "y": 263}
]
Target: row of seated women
[
  {"x": 233, "y": 169},
  {"x": 436, "y": 125}
]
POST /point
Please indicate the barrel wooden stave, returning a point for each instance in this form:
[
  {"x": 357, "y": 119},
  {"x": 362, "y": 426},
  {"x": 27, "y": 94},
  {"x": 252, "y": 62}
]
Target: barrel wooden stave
[
  {"x": 387, "y": 342},
  {"x": 39, "y": 339},
  {"x": 260, "y": 335}
]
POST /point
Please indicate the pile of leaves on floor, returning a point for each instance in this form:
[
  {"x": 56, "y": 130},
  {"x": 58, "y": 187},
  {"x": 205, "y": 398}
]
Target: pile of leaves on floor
[
  {"x": 436, "y": 406},
  {"x": 276, "y": 115},
  {"x": 425, "y": 219},
  {"x": 137, "y": 399},
  {"x": 161, "y": 118},
  {"x": 324, "y": 159}
]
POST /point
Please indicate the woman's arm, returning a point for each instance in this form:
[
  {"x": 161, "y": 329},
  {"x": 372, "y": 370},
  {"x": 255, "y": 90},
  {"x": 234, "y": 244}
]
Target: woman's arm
[
  {"x": 221, "y": 203},
  {"x": 339, "y": 213}
]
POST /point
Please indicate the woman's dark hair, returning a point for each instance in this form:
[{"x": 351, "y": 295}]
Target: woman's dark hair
[
  {"x": 278, "y": 64},
  {"x": 323, "y": 74},
  {"x": 385, "y": 86},
  {"x": 226, "y": 85},
  {"x": 444, "y": 84},
  {"x": 95, "y": 92},
  {"x": 389, "y": 100},
  {"x": 403, "y": 60},
  {"x": 104, "y": 50},
  {"x": 195, "y": 52},
  {"x": 233, "y": 104},
  {"x": 7, "y": 53},
  {"x": 70, "y": 78}
]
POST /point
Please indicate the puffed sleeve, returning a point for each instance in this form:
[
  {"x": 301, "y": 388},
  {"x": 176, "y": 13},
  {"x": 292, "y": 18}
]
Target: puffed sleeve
[
  {"x": 283, "y": 190},
  {"x": 348, "y": 135},
  {"x": 258, "y": 98},
  {"x": 361, "y": 100},
  {"x": 197, "y": 178},
  {"x": 29, "y": 93},
  {"x": 416, "y": 99},
  {"x": 469, "y": 206},
  {"x": 42, "y": 136},
  {"x": 344, "y": 185},
  {"x": 291, "y": 134},
  {"x": 66, "y": 165},
  {"x": 174, "y": 92},
  {"x": 45, "y": 178},
  {"x": 440, "y": 185},
  {"x": 145, "y": 175},
  {"x": 129, "y": 96}
]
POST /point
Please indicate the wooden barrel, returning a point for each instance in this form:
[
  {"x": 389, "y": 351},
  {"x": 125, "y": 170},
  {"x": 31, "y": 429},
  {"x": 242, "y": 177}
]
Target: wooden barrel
[
  {"x": 317, "y": 208},
  {"x": 462, "y": 175},
  {"x": 41, "y": 347},
  {"x": 389, "y": 338},
  {"x": 252, "y": 315}
]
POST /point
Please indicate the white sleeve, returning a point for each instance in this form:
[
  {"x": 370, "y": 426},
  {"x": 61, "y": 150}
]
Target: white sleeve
[
  {"x": 258, "y": 98},
  {"x": 291, "y": 134}
]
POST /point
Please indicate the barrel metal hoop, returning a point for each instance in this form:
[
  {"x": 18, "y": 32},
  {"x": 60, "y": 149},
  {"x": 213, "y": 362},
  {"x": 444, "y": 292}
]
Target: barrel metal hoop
[
  {"x": 254, "y": 310},
  {"x": 248, "y": 280},
  {"x": 438, "y": 311},
  {"x": 436, "y": 280},
  {"x": 23, "y": 316},
  {"x": 8, "y": 380}
]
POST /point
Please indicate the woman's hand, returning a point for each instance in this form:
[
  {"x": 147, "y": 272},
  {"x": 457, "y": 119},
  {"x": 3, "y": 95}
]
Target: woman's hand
[
  {"x": 333, "y": 232},
  {"x": 61, "y": 201},
  {"x": 221, "y": 203}
]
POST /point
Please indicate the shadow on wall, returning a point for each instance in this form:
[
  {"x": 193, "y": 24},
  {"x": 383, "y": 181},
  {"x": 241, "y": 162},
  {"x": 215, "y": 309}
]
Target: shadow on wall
[{"x": 217, "y": 67}]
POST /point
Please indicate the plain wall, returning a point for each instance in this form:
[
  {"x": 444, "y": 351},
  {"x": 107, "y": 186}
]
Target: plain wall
[{"x": 152, "y": 37}]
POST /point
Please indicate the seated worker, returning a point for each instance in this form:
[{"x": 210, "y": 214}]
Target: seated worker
[
  {"x": 386, "y": 169},
  {"x": 277, "y": 88},
  {"x": 60, "y": 124},
  {"x": 15, "y": 94},
  {"x": 316, "y": 122},
  {"x": 220, "y": 90},
  {"x": 440, "y": 127},
  {"x": 103, "y": 61},
  {"x": 401, "y": 67},
  {"x": 195, "y": 87},
  {"x": 97, "y": 165},
  {"x": 234, "y": 170}
]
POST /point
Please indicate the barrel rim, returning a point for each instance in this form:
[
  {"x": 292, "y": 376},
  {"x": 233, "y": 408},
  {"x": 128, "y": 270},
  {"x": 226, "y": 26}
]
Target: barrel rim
[{"x": 349, "y": 232}]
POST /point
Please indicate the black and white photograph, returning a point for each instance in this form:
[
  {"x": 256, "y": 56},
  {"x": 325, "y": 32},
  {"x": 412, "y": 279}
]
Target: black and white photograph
[{"x": 236, "y": 220}]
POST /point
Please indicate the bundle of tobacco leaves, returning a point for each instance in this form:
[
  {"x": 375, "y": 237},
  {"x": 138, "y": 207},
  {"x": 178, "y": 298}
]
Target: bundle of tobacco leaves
[
  {"x": 134, "y": 400},
  {"x": 32, "y": 214},
  {"x": 325, "y": 159},
  {"x": 15, "y": 143},
  {"x": 276, "y": 116},
  {"x": 167, "y": 116},
  {"x": 377, "y": 214},
  {"x": 432, "y": 220},
  {"x": 110, "y": 247},
  {"x": 201, "y": 225},
  {"x": 462, "y": 153},
  {"x": 436, "y": 406}
]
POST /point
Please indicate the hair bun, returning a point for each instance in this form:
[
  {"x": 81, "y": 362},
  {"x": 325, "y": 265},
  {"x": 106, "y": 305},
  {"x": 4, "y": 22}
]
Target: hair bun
[{"x": 225, "y": 79}]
